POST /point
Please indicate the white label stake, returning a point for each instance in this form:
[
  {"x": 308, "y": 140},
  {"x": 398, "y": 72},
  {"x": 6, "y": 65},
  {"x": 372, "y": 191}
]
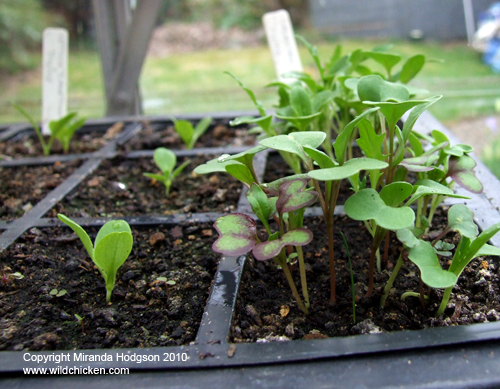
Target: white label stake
[
  {"x": 54, "y": 76},
  {"x": 281, "y": 40}
]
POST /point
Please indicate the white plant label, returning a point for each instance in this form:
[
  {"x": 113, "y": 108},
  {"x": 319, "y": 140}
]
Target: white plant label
[
  {"x": 54, "y": 75},
  {"x": 281, "y": 40}
]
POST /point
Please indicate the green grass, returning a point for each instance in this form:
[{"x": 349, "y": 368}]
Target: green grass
[{"x": 194, "y": 82}]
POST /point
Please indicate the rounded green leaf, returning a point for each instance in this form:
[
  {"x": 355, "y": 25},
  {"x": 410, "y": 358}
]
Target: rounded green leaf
[
  {"x": 375, "y": 88},
  {"x": 110, "y": 227},
  {"x": 461, "y": 219},
  {"x": 424, "y": 256},
  {"x": 111, "y": 251},
  {"x": 368, "y": 205},
  {"x": 395, "y": 193},
  {"x": 165, "y": 159}
]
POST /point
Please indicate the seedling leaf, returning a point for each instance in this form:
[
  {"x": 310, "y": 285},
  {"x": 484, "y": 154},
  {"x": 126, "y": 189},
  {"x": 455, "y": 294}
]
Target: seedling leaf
[
  {"x": 368, "y": 205},
  {"x": 237, "y": 234},
  {"x": 267, "y": 250},
  {"x": 292, "y": 196}
]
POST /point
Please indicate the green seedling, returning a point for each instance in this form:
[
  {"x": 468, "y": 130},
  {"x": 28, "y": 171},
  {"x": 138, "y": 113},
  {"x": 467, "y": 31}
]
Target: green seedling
[
  {"x": 190, "y": 134},
  {"x": 166, "y": 161},
  {"x": 62, "y": 129},
  {"x": 112, "y": 247},
  {"x": 7, "y": 275},
  {"x": 80, "y": 320},
  {"x": 425, "y": 254},
  {"x": 389, "y": 210},
  {"x": 168, "y": 284},
  {"x": 238, "y": 232},
  {"x": 58, "y": 293}
]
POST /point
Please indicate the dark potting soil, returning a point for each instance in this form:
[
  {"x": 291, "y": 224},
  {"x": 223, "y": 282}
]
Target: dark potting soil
[
  {"x": 82, "y": 142},
  {"x": 277, "y": 168},
  {"x": 142, "y": 313},
  {"x": 118, "y": 188},
  {"x": 24, "y": 186},
  {"x": 219, "y": 134},
  {"x": 267, "y": 311}
]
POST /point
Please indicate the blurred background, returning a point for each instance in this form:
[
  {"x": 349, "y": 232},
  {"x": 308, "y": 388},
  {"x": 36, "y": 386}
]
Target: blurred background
[{"x": 195, "y": 41}]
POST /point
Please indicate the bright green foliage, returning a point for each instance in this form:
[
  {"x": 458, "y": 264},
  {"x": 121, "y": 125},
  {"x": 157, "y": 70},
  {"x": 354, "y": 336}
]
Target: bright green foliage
[
  {"x": 470, "y": 246},
  {"x": 62, "y": 129},
  {"x": 190, "y": 134},
  {"x": 111, "y": 248},
  {"x": 367, "y": 204},
  {"x": 166, "y": 161}
]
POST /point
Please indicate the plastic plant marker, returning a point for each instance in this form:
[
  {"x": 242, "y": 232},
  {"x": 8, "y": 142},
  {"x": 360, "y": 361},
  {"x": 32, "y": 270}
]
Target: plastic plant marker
[
  {"x": 270, "y": 249},
  {"x": 238, "y": 234}
]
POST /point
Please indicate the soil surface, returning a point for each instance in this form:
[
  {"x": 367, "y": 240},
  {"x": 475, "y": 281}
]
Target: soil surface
[
  {"x": 267, "y": 311},
  {"x": 219, "y": 134},
  {"x": 24, "y": 186},
  {"x": 118, "y": 188},
  {"x": 82, "y": 142},
  {"x": 142, "y": 313}
]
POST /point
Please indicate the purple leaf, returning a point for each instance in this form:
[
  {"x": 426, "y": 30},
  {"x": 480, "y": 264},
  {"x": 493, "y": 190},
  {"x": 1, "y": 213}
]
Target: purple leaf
[
  {"x": 267, "y": 250},
  {"x": 238, "y": 234},
  {"x": 293, "y": 197}
]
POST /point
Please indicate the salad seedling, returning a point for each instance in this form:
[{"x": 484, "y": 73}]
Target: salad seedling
[
  {"x": 112, "y": 247},
  {"x": 58, "y": 293},
  {"x": 190, "y": 134},
  {"x": 425, "y": 254},
  {"x": 166, "y": 161},
  {"x": 80, "y": 320},
  {"x": 62, "y": 129},
  {"x": 238, "y": 232},
  {"x": 168, "y": 284}
]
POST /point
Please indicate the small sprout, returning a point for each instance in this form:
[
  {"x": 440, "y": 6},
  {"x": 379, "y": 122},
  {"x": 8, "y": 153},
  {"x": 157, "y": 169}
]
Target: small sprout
[
  {"x": 168, "y": 284},
  {"x": 7, "y": 275},
  {"x": 58, "y": 293},
  {"x": 112, "y": 247},
  {"x": 190, "y": 134},
  {"x": 62, "y": 129},
  {"x": 166, "y": 161},
  {"x": 80, "y": 320}
]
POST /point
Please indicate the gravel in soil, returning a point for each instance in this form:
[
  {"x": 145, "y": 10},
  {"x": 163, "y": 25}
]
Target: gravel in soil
[
  {"x": 82, "y": 142},
  {"x": 24, "y": 186},
  {"x": 142, "y": 313},
  {"x": 118, "y": 188},
  {"x": 219, "y": 134},
  {"x": 267, "y": 311}
]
